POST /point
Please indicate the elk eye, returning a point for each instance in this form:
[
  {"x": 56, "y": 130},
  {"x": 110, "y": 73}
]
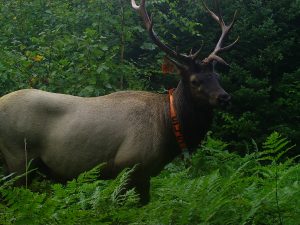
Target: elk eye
[{"x": 196, "y": 82}]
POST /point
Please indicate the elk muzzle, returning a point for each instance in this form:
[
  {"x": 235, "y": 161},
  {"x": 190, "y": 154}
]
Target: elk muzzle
[
  {"x": 219, "y": 98},
  {"x": 223, "y": 99}
]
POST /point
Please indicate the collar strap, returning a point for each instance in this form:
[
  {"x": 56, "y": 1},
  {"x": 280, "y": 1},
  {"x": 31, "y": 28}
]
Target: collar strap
[{"x": 175, "y": 123}]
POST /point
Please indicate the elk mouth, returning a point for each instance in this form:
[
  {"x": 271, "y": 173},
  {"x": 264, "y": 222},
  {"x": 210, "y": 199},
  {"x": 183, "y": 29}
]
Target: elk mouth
[{"x": 222, "y": 100}]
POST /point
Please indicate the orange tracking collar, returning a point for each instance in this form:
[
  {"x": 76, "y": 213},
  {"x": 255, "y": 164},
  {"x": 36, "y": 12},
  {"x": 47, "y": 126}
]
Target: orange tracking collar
[{"x": 175, "y": 123}]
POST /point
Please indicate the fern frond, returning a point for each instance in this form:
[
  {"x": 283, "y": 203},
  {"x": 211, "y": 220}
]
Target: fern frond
[{"x": 274, "y": 147}]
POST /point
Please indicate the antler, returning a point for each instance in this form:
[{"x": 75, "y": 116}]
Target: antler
[
  {"x": 149, "y": 26},
  {"x": 225, "y": 31}
]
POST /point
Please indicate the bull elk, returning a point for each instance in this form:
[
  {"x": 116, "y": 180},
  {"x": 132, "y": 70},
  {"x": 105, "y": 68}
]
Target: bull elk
[{"x": 67, "y": 135}]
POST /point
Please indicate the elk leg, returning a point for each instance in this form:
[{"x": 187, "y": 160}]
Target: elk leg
[
  {"x": 18, "y": 168},
  {"x": 3, "y": 164},
  {"x": 142, "y": 188},
  {"x": 16, "y": 164}
]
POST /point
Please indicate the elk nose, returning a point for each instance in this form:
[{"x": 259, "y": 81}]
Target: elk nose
[{"x": 224, "y": 99}]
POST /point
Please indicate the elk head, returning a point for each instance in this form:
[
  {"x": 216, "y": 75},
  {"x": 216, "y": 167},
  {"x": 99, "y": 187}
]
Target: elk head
[{"x": 198, "y": 76}]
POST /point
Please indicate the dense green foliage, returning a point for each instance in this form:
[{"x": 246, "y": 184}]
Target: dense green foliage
[
  {"x": 94, "y": 47},
  {"x": 212, "y": 187}
]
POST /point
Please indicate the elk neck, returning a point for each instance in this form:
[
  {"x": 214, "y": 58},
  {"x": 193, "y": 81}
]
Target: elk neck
[{"x": 195, "y": 119}]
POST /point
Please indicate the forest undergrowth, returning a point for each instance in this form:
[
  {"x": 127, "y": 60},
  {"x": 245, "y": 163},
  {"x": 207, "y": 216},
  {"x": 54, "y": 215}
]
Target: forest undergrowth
[{"x": 213, "y": 186}]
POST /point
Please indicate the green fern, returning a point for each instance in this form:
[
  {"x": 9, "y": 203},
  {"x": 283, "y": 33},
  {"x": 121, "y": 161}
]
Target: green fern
[
  {"x": 217, "y": 188},
  {"x": 274, "y": 147}
]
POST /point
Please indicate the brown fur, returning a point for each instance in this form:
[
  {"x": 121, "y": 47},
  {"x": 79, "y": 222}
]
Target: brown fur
[{"x": 71, "y": 134}]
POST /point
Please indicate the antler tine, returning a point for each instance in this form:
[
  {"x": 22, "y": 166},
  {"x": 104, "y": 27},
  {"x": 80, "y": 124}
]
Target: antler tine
[
  {"x": 217, "y": 3},
  {"x": 143, "y": 13},
  {"x": 191, "y": 52},
  {"x": 213, "y": 15},
  {"x": 233, "y": 20},
  {"x": 196, "y": 54},
  {"x": 135, "y": 6},
  {"x": 225, "y": 30},
  {"x": 148, "y": 21},
  {"x": 228, "y": 47}
]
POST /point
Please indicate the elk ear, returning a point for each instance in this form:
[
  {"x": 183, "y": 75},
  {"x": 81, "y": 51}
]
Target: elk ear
[{"x": 171, "y": 66}]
